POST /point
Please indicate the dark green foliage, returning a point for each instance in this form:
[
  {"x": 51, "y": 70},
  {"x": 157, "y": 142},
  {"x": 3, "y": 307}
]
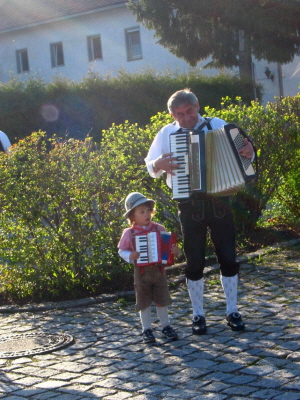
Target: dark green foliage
[
  {"x": 195, "y": 30},
  {"x": 81, "y": 109}
]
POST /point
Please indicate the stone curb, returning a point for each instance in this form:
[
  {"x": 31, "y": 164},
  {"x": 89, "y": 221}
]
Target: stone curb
[{"x": 31, "y": 307}]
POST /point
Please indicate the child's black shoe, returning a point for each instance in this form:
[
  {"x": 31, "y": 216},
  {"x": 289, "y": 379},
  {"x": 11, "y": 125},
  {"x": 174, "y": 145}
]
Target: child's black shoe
[
  {"x": 169, "y": 333},
  {"x": 148, "y": 336}
]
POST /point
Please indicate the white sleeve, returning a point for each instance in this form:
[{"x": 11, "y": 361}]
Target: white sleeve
[
  {"x": 154, "y": 152},
  {"x": 125, "y": 254}
]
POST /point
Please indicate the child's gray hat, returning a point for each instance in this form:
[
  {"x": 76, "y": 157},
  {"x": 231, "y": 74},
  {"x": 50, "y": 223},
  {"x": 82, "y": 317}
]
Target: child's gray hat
[{"x": 135, "y": 199}]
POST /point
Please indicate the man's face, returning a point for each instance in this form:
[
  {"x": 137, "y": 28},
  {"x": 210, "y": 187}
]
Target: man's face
[{"x": 186, "y": 115}]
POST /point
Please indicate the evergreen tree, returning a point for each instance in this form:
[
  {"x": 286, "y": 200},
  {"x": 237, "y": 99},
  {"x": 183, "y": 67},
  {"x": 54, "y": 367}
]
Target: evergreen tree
[{"x": 228, "y": 31}]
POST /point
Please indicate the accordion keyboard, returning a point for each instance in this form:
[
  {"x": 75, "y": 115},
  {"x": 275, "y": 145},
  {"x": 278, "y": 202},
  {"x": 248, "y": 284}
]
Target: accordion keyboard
[
  {"x": 179, "y": 146},
  {"x": 146, "y": 245}
]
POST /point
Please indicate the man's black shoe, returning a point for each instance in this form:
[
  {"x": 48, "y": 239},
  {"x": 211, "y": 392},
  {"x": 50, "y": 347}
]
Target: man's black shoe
[
  {"x": 199, "y": 325},
  {"x": 234, "y": 320}
]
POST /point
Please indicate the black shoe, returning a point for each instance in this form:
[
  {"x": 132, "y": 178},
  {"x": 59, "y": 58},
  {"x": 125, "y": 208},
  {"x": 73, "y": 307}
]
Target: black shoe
[
  {"x": 199, "y": 325},
  {"x": 169, "y": 333},
  {"x": 234, "y": 320},
  {"x": 148, "y": 336}
]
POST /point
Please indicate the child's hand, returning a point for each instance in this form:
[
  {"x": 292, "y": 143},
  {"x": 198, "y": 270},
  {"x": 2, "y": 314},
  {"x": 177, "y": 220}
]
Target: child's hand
[
  {"x": 175, "y": 250},
  {"x": 134, "y": 255}
]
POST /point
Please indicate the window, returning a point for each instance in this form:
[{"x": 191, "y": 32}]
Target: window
[
  {"x": 57, "y": 54},
  {"x": 133, "y": 44},
  {"x": 94, "y": 47},
  {"x": 22, "y": 61}
]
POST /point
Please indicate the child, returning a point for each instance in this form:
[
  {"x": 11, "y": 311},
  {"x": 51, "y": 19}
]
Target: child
[{"x": 150, "y": 282}]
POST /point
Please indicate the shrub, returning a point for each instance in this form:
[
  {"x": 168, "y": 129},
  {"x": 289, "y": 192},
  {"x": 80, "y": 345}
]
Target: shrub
[
  {"x": 59, "y": 223},
  {"x": 288, "y": 194}
]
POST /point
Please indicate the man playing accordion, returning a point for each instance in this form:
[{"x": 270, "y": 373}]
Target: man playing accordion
[{"x": 200, "y": 212}]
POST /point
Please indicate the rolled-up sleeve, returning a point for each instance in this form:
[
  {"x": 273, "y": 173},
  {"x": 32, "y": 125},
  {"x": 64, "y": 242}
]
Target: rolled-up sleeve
[
  {"x": 159, "y": 146},
  {"x": 125, "y": 254},
  {"x": 154, "y": 152}
]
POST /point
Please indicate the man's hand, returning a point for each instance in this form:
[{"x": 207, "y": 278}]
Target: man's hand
[
  {"x": 247, "y": 150},
  {"x": 165, "y": 162}
]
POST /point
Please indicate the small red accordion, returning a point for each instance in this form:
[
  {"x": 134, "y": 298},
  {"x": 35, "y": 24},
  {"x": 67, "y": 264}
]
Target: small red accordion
[{"x": 155, "y": 248}]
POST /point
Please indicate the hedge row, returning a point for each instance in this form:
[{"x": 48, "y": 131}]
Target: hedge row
[{"x": 81, "y": 109}]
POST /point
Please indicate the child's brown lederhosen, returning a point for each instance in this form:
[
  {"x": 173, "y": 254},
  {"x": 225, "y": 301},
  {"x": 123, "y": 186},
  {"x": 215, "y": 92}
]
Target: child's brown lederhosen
[{"x": 150, "y": 284}]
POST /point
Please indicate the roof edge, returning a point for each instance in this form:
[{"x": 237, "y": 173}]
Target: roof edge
[{"x": 104, "y": 8}]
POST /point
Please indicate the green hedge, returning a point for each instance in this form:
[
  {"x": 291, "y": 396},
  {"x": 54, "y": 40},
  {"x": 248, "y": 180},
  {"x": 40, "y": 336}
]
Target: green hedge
[{"x": 77, "y": 109}]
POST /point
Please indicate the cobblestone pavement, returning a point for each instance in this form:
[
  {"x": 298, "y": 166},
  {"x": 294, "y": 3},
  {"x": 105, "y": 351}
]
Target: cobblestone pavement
[{"x": 109, "y": 360}]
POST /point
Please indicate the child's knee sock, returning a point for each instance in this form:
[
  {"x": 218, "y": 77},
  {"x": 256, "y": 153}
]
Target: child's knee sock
[
  {"x": 146, "y": 318},
  {"x": 230, "y": 284},
  {"x": 195, "y": 289},
  {"x": 163, "y": 315}
]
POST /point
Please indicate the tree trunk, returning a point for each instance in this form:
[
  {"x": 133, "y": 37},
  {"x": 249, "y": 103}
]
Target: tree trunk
[{"x": 245, "y": 59}]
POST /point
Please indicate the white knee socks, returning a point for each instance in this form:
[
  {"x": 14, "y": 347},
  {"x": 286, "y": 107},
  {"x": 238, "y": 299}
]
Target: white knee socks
[
  {"x": 195, "y": 289},
  {"x": 230, "y": 284},
  {"x": 162, "y": 313},
  {"x": 146, "y": 318}
]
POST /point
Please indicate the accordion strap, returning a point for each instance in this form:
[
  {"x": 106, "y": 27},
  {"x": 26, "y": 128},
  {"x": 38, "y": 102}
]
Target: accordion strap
[{"x": 206, "y": 122}]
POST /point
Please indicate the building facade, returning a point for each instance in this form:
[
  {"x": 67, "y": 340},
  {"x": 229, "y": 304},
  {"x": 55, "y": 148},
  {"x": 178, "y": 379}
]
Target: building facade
[{"x": 50, "y": 38}]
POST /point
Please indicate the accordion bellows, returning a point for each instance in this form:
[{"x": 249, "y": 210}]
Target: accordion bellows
[{"x": 209, "y": 162}]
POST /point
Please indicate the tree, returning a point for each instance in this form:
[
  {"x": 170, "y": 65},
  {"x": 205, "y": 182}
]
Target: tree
[{"x": 228, "y": 31}]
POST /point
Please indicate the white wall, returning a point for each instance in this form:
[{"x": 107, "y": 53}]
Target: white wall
[
  {"x": 290, "y": 79},
  {"x": 111, "y": 25}
]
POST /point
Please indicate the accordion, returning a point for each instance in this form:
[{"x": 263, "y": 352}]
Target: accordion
[
  {"x": 209, "y": 162},
  {"x": 155, "y": 248}
]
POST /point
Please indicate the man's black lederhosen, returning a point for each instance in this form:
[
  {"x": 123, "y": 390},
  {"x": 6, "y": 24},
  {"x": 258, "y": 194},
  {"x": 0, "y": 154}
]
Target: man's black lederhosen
[{"x": 197, "y": 215}]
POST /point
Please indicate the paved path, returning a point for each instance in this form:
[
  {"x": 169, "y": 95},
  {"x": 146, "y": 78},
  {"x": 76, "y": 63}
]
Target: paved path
[{"x": 109, "y": 360}]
